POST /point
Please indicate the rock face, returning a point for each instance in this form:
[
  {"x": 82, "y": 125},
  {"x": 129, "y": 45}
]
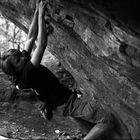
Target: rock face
[{"x": 98, "y": 43}]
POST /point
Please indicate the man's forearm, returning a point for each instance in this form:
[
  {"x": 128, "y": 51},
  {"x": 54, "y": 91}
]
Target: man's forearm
[
  {"x": 42, "y": 38},
  {"x": 33, "y": 29},
  {"x": 32, "y": 34}
]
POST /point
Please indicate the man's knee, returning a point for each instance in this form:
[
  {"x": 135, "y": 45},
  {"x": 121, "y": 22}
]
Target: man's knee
[{"x": 84, "y": 125}]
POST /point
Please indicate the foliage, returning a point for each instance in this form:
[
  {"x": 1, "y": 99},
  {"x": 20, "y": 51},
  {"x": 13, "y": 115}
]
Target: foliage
[{"x": 10, "y": 35}]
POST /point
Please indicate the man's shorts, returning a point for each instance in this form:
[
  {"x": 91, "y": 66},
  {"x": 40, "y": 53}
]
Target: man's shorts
[{"x": 88, "y": 110}]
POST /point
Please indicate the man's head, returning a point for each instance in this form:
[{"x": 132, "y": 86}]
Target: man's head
[{"x": 12, "y": 62}]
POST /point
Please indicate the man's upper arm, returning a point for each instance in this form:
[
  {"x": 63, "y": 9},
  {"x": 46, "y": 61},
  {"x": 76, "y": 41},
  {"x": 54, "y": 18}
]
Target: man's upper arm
[
  {"x": 37, "y": 55},
  {"x": 29, "y": 44}
]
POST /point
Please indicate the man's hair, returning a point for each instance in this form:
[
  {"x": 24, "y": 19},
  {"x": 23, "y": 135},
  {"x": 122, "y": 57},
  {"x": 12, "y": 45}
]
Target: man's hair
[{"x": 6, "y": 63}]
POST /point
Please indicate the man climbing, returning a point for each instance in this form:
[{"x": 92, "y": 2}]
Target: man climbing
[{"x": 28, "y": 73}]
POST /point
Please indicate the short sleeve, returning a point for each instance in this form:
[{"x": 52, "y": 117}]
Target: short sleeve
[{"x": 26, "y": 54}]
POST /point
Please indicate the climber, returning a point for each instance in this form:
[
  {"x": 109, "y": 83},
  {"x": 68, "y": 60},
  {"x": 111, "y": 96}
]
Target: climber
[
  {"x": 27, "y": 71},
  {"x": 35, "y": 79}
]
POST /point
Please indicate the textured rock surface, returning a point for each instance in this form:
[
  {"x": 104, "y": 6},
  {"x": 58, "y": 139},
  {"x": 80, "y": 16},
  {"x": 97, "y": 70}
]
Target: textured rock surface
[{"x": 98, "y": 43}]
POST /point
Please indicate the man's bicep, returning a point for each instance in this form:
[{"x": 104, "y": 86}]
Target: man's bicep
[
  {"x": 29, "y": 45},
  {"x": 37, "y": 55}
]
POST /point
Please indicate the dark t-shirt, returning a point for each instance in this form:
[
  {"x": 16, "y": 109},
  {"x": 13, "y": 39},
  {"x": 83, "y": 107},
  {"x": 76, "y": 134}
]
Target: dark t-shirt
[{"x": 44, "y": 82}]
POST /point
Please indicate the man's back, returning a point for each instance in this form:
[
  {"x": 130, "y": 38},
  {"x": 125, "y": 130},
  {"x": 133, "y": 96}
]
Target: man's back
[{"x": 44, "y": 82}]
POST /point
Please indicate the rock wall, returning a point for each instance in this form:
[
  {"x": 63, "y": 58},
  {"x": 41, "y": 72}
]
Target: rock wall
[{"x": 98, "y": 43}]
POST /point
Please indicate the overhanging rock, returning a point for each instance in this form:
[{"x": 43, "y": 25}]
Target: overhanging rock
[{"x": 98, "y": 44}]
